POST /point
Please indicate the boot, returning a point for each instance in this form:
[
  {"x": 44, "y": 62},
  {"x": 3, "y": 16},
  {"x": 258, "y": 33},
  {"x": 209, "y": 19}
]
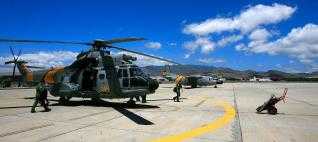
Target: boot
[
  {"x": 178, "y": 99},
  {"x": 47, "y": 110}
]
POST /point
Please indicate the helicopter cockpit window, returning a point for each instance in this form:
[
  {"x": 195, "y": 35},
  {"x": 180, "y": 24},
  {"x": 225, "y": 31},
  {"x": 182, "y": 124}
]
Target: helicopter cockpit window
[
  {"x": 138, "y": 82},
  {"x": 132, "y": 72},
  {"x": 136, "y": 72}
]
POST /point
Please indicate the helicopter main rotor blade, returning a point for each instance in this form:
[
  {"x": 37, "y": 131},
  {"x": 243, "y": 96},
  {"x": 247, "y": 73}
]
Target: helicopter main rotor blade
[
  {"x": 43, "y": 41},
  {"x": 12, "y": 53},
  {"x": 143, "y": 54},
  {"x": 119, "y": 40},
  {"x": 111, "y": 41},
  {"x": 35, "y": 67},
  {"x": 18, "y": 55}
]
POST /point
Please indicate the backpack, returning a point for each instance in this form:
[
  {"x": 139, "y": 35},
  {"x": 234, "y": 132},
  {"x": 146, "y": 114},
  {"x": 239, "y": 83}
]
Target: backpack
[{"x": 175, "y": 89}]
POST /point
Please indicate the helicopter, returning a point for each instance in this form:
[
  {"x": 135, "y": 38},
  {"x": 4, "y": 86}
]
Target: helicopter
[
  {"x": 189, "y": 80},
  {"x": 95, "y": 73}
]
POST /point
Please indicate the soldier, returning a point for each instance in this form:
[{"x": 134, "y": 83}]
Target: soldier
[
  {"x": 270, "y": 104},
  {"x": 178, "y": 87},
  {"x": 41, "y": 97}
]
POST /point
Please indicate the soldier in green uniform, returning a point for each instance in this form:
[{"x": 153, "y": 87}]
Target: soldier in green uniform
[{"x": 41, "y": 97}]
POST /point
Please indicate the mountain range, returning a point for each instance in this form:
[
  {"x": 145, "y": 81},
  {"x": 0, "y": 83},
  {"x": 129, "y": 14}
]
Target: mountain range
[{"x": 226, "y": 72}]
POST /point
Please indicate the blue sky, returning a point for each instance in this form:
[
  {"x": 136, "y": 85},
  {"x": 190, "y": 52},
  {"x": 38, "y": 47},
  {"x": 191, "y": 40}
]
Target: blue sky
[{"x": 258, "y": 35}]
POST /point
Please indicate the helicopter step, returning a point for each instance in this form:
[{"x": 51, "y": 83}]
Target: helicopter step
[
  {"x": 64, "y": 100},
  {"x": 88, "y": 93},
  {"x": 136, "y": 92}
]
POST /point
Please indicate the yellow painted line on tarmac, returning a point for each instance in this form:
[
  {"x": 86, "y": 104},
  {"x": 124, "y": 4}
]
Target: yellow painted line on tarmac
[{"x": 218, "y": 123}]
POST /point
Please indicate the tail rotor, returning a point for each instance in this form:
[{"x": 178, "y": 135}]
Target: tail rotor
[{"x": 15, "y": 61}]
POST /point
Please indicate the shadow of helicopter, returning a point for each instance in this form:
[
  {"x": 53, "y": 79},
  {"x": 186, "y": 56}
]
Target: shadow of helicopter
[
  {"x": 14, "y": 107},
  {"x": 120, "y": 107}
]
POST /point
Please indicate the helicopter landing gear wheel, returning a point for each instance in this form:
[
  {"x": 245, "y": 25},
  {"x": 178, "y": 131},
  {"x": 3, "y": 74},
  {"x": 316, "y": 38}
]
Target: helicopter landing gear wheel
[
  {"x": 64, "y": 99},
  {"x": 131, "y": 102}
]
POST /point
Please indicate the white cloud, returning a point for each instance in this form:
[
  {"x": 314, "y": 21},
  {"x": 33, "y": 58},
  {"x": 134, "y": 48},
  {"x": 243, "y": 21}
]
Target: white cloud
[
  {"x": 300, "y": 43},
  {"x": 210, "y": 26},
  {"x": 46, "y": 59},
  {"x": 229, "y": 39},
  {"x": 260, "y": 35},
  {"x": 186, "y": 56},
  {"x": 246, "y": 21},
  {"x": 203, "y": 43},
  {"x": 251, "y": 19},
  {"x": 241, "y": 47},
  {"x": 173, "y": 44},
  {"x": 153, "y": 45},
  {"x": 211, "y": 60}
]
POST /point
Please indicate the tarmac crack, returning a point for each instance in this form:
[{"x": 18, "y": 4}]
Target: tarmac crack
[
  {"x": 301, "y": 101},
  {"x": 86, "y": 126},
  {"x": 198, "y": 104},
  {"x": 25, "y": 130},
  {"x": 89, "y": 115}
]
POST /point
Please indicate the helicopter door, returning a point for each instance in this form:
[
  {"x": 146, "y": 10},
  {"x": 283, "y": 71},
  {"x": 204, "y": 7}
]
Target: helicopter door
[
  {"x": 102, "y": 82},
  {"x": 123, "y": 78},
  {"x": 89, "y": 80}
]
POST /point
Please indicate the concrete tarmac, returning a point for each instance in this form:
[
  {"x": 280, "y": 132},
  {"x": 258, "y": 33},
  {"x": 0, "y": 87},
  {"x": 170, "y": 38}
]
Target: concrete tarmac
[{"x": 226, "y": 113}]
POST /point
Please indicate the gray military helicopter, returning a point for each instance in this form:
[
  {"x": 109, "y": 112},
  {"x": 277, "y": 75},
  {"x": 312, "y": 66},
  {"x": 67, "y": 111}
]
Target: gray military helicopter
[
  {"x": 95, "y": 73},
  {"x": 189, "y": 80}
]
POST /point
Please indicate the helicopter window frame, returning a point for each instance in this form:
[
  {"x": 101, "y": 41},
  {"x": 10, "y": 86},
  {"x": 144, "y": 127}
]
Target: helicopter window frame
[
  {"x": 135, "y": 71},
  {"x": 120, "y": 73},
  {"x": 125, "y": 73},
  {"x": 132, "y": 72}
]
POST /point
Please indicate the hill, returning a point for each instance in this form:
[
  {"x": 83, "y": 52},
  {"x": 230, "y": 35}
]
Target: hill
[{"x": 227, "y": 72}]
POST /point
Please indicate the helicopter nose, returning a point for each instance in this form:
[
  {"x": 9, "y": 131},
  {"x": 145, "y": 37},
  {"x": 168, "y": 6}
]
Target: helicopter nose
[{"x": 153, "y": 85}]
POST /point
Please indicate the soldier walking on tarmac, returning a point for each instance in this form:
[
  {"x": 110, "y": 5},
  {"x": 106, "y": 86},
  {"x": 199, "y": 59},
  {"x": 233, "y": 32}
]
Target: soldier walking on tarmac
[
  {"x": 178, "y": 87},
  {"x": 41, "y": 97}
]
